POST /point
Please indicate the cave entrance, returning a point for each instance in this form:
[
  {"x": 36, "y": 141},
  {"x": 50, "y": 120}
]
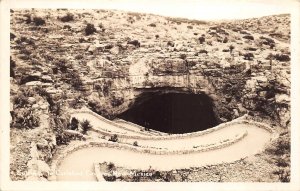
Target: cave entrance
[{"x": 172, "y": 112}]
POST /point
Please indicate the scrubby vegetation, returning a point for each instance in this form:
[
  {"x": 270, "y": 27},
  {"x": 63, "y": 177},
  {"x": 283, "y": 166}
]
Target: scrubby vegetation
[
  {"x": 280, "y": 150},
  {"x": 85, "y": 126},
  {"x": 67, "y": 18},
  {"x": 113, "y": 138},
  {"x": 89, "y": 29}
]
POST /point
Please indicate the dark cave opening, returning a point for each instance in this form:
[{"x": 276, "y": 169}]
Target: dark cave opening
[{"x": 174, "y": 113}]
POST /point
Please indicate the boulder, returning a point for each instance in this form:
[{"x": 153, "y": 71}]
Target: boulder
[
  {"x": 282, "y": 98},
  {"x": 31, "y": 100}
]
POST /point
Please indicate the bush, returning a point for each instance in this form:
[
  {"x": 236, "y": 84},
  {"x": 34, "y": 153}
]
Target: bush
[
  {"x": 24, "y": 118},
  {"x": 169, "y": 43},
  {"x": 20, "y": 101},
  {"x": 282, "y": 57},
  {"x": 67, "y": 18},
  {"x": 74, "y": 124},
  {"x": 79, "y": 57},
  {"x": 135, "y": 143},
  {"x": 12, "y": 67},
  {"x": 113, "y": 138},
  {"x": 12, "y": 36},
  {"x": 152, "y": 25},
  {"x": 136, "y": 43},
  {"x": 59, "y": 124},
  {"x": 38, "y": 21},
  {"x": 248, "y": 56},
  {"x": 203, "y": 51},
  {"x": 231, "y": 47},
  {"x": 249, "y": 37},
  {"x": 201, "y": 39},
  {"x": 115, "y": 102},
  {"x": 85, "y": 125},
  {"x": 89, "y": 29},
  {"x": 183, "y": 56},
  {"x": 225, "y": 39}
]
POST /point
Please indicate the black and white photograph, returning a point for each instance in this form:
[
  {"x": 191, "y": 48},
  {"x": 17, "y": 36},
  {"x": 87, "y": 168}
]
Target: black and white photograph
[{"x": 151, "y": 92}]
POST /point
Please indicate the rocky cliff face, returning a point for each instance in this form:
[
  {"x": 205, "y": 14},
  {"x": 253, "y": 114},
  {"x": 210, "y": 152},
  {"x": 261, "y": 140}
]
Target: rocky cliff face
[{"x": 106, "y": 59}]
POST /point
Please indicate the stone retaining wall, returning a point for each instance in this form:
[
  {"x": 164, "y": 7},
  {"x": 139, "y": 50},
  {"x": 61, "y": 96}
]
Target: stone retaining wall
[
  {"x": 150, "y": 132},
  {"x": 118, "y": 146},
  {"x": 175, "y": 136}
]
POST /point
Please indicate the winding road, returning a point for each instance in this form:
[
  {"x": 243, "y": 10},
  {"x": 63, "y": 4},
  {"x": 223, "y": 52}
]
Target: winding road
[{"x": 78, "y": 165}]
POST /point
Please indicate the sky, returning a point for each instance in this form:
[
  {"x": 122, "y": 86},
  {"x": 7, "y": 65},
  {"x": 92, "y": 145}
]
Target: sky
[{"x": 193, "y": 9}]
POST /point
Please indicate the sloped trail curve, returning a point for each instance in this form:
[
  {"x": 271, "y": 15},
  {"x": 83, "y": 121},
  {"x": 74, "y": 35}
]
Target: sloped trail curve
[{"x": 79, "y": 165}]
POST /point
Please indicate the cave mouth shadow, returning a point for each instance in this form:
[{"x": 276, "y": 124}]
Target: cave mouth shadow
[{"x": 174, "y": 113}]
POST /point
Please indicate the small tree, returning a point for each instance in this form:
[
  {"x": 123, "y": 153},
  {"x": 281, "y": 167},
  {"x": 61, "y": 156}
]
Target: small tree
[
  {"x": 74, "y": 124},
  {"x": 39, "y": 21},
  {"x": 201, "y": 39},
  {"x": 135, "y": 143},
  {"x": 89, "y": 29},
  {"x": 85, "y": 125}
]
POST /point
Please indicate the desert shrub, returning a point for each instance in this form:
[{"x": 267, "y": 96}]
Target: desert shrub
[
  {"x": 20, "y": 101},
  {"x": 110, "y": 178},
  {"x": 225, "y": 40},
  {"x": 250, "y": 49},
  {"x": 203, "y": 51},
  {"x": 249, "y": 37},
  {"x": 231, "y": 47},
  {"x": 182, "y": 56},
  {"x": 201, "y": 39},
  {"x": 156, "y": 175},
  {"x": 281, "y": 162},
  {"x": 268, "y": 41},
  {"x": 89, "y": 29},
  {"x": 58, "y": 125},
  {"x": 12, "y": 36},
  {"x": 85, "y": 125},
  {"x": 169, "y": 177},
  {"x": 25, "y": 40},
  {"x": 282, "y": 57},
  {"x": 27, "y": 18},
  {"x": 67, "y": 18},
  {"x": 111, "y": 166},
  {"x": 152, "y": 25},
  {"x": 135, "y": 143},
  {"x": 169, "y": 43},
  {"x": 156, "y": 36},
  {"x": 79, "y": 57},
  {"x": 117, "y": 101},
  {"x": 12, "y": 67},
  {"x": 113, "y": 138},
  {"x": 248, "y": 56},
  {"x": 24, "y": 118},
  {"x": 68, "y": 27},
  {"x": 74, "y": 124},
  {"x": 136, "y": 43},
  {"x": 283, "y": 175},
  {"x": 25, "y": 51},
  {"x": 39, "y": 21},
  {"x": 62, "y": 65},
  {"x": 280, "y": 147}
]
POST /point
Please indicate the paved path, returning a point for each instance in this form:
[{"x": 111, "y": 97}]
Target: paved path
[{"x": 81, "y": 161}]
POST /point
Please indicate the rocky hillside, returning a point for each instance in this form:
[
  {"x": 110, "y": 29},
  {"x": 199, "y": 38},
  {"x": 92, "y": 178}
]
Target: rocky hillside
[{"x": 63, "y": 59}]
